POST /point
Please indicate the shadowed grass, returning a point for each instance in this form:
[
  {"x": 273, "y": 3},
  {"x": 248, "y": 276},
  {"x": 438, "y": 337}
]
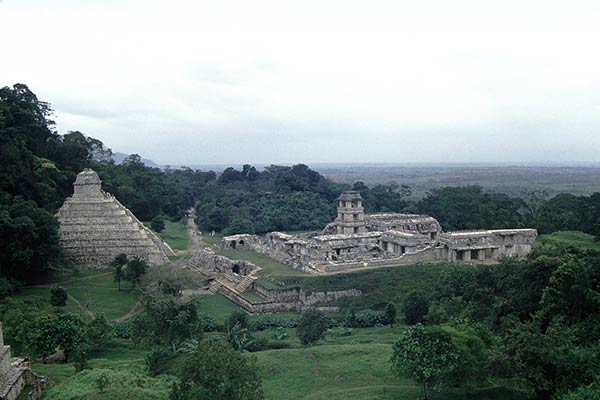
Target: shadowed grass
[{"x": 573, "y": 238}]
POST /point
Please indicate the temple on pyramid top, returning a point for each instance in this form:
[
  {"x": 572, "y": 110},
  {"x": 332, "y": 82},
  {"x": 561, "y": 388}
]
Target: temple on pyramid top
[
  {"x": 95, "y": 227},
  {"x": 88, "y": 186}
]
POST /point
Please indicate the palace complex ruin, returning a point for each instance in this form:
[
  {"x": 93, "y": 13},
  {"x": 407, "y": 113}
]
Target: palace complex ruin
[
  {"x": 95, "y": 227},
  {"x": 359, "y": 240},
  {"x": 15, "y": 375}
]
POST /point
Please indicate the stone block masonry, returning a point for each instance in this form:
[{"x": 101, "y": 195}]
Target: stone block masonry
[
  {"x": 95, "y": 227},
  {"x": 356, "y": 240},
  {"x": 15, "y": 374}
]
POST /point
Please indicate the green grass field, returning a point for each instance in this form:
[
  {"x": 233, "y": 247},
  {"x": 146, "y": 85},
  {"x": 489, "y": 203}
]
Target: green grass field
[
  {"x": 270, "y": 267},
  {"x": 337, "y": 367},
  {"x": 217, "y": 306},
  {"x": 211, "y": 240},
  {"x": 573, "y": 238},
  {"x": 96, "y": 290},
  {"x": 121, "y": 363},
  {"x": 175, "y": 234}
]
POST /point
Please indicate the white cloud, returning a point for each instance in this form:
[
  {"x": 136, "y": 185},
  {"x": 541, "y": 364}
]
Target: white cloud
[{"x": 273, "y": 81}]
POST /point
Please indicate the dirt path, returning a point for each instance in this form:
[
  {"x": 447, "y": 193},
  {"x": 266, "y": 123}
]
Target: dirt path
[
  {"x": 81, "y": 307},
  {"x": 137, "y": 307},
  {"x": 315, "y": 363},
  {"x": 195, "y": 238}
]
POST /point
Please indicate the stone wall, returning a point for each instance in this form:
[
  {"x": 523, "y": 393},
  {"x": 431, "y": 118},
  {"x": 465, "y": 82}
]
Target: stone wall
[
  {"x": 15, "y": 374},
  {"x": 95, "y": 227},
  {"x": 289, "y": 300},
  {"x": 207, "y": 261}
]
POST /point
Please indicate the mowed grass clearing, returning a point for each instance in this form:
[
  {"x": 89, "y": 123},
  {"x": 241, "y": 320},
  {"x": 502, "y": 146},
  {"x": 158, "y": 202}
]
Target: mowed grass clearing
[
  {"x": 121, "y": 362},
  {"x": 573, "y": 238},
  {"x": 217, "y": 306},
  {"x": 357, "y": 371},
  {"x": 175, "y": 234},
  {"x": 96, "y": 291},
  {"x": 270, "y": 266}
]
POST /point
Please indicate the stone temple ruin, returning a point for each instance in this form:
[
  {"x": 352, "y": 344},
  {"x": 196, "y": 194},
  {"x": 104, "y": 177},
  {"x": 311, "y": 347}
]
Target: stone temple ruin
[
  {"x": 355, "y": 240},
  {"x": 95, "y": 227},
  {"x": 15, "y": 375}
]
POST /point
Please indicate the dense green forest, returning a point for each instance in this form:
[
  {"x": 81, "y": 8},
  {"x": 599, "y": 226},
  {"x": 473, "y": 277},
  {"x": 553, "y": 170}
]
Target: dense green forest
[{"x": 38, "y": 167}]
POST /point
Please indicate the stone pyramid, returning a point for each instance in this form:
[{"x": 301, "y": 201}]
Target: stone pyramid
[{"x": 95, "y": 227}]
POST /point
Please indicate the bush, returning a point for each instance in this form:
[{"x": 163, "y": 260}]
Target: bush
[
  {"x": 258, "y": 344},
  {"x": 369, "y": 318},
  {"x": 208, "y": 323},
  {"x": 237, "y": 317},
  {"x": 279, "y": 345},
  {"x": 157, "y": 224},
  {"x": 311, "y": 327},
  {"x": 273, "y": 321},
  {"x": 122, "y": 330},
  {"x": 415, "y": 307},
  {"x": 239, "y": 225},
  {"x": 58, "y": 296},
  {"x": 280, "y": 333},
  {"x": 156, "y": 360},
  {"x": 7, "y": 288}
]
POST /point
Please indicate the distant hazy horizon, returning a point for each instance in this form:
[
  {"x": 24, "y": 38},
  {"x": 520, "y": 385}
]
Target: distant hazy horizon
[{"x": 216, "y": 82}]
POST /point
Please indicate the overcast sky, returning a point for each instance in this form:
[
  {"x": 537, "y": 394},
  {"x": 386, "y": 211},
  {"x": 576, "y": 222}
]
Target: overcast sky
[{"x": 200, "y": 82}]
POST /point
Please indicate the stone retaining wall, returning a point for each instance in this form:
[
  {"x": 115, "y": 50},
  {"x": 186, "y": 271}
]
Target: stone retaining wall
[{"x": 286, "y": 300}]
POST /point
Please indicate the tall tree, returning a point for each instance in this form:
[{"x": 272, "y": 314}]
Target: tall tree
[
  {"x": 424, "y": 355},
  {"x": 215, "y": 371}
]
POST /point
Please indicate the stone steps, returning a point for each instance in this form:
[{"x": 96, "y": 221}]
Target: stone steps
[
  {"x": 214, "y": 286},
  {"x": 245, "y": 283}
]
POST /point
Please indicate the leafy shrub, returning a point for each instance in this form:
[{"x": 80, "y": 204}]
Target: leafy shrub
[
  {"x": 209, "y": 324},
  {"x": 311, "y": 327},
  {"x": 258, "y": 344},
  {"x": 280, "y": 333},
  {"x": 415, "y": 307},
  {"x": 7, "y": 288},
  {"x": 156, "y": 360},
  {"x": 237, "y": 317},
  {"x": 369, "y": 318},
  {"x": 279, "y": 345},
  {"x": 157, "y": 224},
  {"x": 58, "y": 296},
  {"x": 272, "y": 321},
  {"x": 122, "y": 330}
]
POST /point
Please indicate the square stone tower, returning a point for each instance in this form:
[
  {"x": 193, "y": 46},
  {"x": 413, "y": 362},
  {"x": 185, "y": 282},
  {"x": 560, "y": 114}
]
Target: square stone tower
[{"x": 351, "y": 214}]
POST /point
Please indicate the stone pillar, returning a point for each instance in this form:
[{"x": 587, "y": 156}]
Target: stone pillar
[
  {"x": 467, "y": 255},
  {"x": 481, "y": 255}
]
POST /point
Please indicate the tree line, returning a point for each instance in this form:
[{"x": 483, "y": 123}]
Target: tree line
[{"x": 38, "y": 167}]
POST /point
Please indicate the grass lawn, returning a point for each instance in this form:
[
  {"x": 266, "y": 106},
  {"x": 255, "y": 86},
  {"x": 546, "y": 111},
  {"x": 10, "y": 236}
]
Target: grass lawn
[
  {"x": 40, "y": 297},
  {"x": 211, "y": 240},
  {"x": 253, "y": 296},
  {"x": 121, "y": 363},
  {"x": 102, "y": 295},
  {"x": 353, "y": 371},
  {"x": 269, "y": 266},
  {"x": 573, "y": 238},
  {"x": 175, "y": 234},
  {"x": 336, "y": 367},
  {"x": 217, "y": 306},
  {"x": 96, "y": 288}
]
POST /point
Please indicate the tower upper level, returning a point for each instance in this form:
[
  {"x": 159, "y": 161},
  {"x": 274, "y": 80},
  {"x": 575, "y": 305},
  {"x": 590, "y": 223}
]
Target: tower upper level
[
  {"x": 351, "y": 214},
  {"x": 87, "y": 186}
]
